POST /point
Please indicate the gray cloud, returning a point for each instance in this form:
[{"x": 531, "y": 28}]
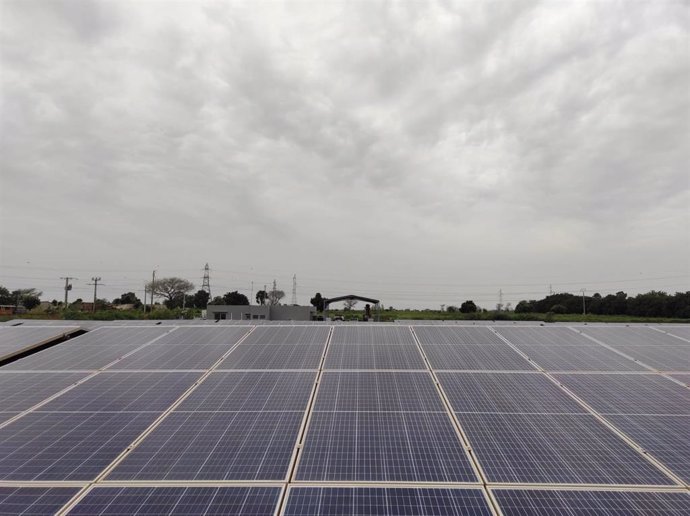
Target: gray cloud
[{"x": 405, "y": 150}]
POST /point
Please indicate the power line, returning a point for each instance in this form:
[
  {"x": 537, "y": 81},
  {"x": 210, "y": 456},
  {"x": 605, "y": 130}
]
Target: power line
[{"x": 95, "y": 290}]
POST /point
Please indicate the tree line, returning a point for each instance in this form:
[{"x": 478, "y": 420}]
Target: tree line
[{"x": 651, "y": 304}]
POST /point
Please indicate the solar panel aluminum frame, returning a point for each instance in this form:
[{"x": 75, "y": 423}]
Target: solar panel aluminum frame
[{"x": 38, "y": 344}]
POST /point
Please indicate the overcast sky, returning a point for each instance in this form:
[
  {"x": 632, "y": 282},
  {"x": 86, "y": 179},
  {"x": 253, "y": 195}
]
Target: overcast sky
[{"x": 422, "y": 153}]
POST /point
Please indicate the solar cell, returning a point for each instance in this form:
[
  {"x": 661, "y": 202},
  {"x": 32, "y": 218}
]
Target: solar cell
[
  {"x": 183, "y": 501},
  {"x": 21, "y": 391},
  {"x": 583, "y": 358},
  {"x": 34, "y": 501},
  {"x": 666, "y": 437},
  {"x": 472, "y": 357},
  {"x": 174, "y": 356},
  {"x": 389, "y": 501},
  {"x": 373, "y": 356},
  {"x": 384, "y": 447},
  {"x": 90, "y": 351},
  {"x": 521, "y": 502},
  {"x": 252, "y": 391},
  {"x": 274, "y": 356},
  {"x": 14, "y": 340},
  {"x": 468, "y": 335},
  {"x": 377, "y": 391},
  {"x": 629, "y": 393},
  {"x": 66, "y": 445},
  {"x": 506, "y": 392},
  {"x": 215, "y": 446},
  {"x": 126, "y": 391},
  {"x": 362, "y": 334},
  {"x": 556, "y": 448},
  {"x": 288, "y": 335}
]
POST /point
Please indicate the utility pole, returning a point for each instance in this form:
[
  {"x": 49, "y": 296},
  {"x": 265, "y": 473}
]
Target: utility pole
[
  {"x": 550, "y": 289},
  {"x": 500, "y": 300},
  {"x": 68, "y": 287},
  {"x": 584, "y": 311},
  {"x": 294, "y": 290},
  {"x": 95, "y": 289}
]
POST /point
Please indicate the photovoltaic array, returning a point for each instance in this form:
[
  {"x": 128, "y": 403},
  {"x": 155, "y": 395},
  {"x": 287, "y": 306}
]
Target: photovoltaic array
[{"x": 357, "y": 419}]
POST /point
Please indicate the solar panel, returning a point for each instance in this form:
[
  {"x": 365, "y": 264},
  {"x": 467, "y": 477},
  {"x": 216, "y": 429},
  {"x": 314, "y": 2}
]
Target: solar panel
[
  {"x": 472, "y": 357},
  {"x": 377, "y": 391},
  {"x": 34, "y": 501},
  {"x": 126, "y": 391},
  {"x": 288, "y": 335},
  {"x": 183, "y": 501},
  {"x": 274, "y": 356},
  {"x": 383, "y": 447},
  {"x": 199, "y": 335},
  {"x": 678, "y": 331},
  {"x": 21, "y": 391},
  {"x": 174, "y": 356},
  {"x": 520, "y": 502},
  {"x": 666, "y": 437},
  {"x": 633, "y": 336},
  {"x": 468, "y": 335},
  {"x": 629, "y": 393},
  {"x": 684, "y": 378},
  {"x": 6, "y": 416},
  {"x": 582, "y": 358},
  {"x": 373, "y": 356},
  {"x": 557, "y": 336},
  {"x": 362, "y": 334},
  {"x": 66, "y": 445},
  {"x": 15, "y": 340},
  {"x": 252, "y": 391},
  {"x": 389, "y": 501},
  {"x": 555, "y": 448},
  {"x": 215, "y": 446},
  {"x": 90, "y": 351},
  {"x": 658, "y": 356},
  {"x": 506, "y": 392}
]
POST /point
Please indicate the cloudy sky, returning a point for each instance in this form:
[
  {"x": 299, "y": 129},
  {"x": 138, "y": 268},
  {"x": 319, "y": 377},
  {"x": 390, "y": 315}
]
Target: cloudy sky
[{"x": 422, "y": 153}]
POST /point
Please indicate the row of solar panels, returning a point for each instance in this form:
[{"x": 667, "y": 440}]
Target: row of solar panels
[
  {"x": 451, "y": 348},
  {"x": 339, "y": 501},
  {"x": 365, "y": 426}
]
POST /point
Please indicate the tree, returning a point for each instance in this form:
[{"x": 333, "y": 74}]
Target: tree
[
  {"x": 451, "y": 309},
  {"x": 318, "y": 302},
  {"x": 200, "y": 299},
  {"x": 275, "y": 295},
  {"x": 468, "y": 307},
  {"x": 261, "y": 297},
  {"x": 31, "y": 302},
  {"x": 218, "y": 300},
  {"x": 350, "y": 304},
  {"x": 5, "y": 297},
  {"x": 128, "y": 298},
  {"x": 170, "y": 288},
  {"x": 235, "y": 298}
]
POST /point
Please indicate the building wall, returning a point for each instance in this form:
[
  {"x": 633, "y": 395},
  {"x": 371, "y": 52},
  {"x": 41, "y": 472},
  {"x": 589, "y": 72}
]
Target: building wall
[{"x": 258, "y": 312}]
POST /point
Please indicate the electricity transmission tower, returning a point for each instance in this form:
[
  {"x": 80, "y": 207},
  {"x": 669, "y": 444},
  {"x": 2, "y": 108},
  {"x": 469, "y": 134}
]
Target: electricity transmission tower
[
  {"x": 294, "y": 290},
  {"x": 206, "y": 285}
]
